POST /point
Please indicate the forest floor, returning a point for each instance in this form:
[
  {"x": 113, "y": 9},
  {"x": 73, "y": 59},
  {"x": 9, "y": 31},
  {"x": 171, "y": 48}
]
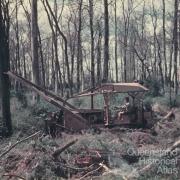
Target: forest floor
[{"x": 116, "y": 153}]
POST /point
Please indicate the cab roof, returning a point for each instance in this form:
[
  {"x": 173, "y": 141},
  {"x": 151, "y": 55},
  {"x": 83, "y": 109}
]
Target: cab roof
[{"x": 114, "y": 88}]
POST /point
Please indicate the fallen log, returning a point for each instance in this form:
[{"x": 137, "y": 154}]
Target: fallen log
[
  {"x": 174, "y": 146},
  {"x": 77, "y": 168},
  {"x": 169, "y": 116},
  {"x": 104, "y": 166},
  {"x": 18, "y": 142},
  {"x": 13, "y": 175},
  {"x": 60, "y": 150},
  {"x": 91, "y": 172}
]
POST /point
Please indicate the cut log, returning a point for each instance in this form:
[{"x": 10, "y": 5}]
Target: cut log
[
  {"x": 169, "y": 116},
  {"x": 104, "y": 166},
  {"x": 91, "y": 172},
  {"x": 13, "y": 175},
  {"x": 60, "y": 150},
  {"x": 174, "y": 146}
]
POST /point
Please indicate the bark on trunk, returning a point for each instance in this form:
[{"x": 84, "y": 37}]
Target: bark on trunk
[
  {"x": 106, "y": 41},
  {"x": 4, "y": 67},
  {"x": 34, "y": 42}
]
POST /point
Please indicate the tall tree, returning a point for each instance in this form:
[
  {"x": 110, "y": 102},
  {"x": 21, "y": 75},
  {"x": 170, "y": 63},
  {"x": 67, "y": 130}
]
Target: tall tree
[
  {"x": 91, "y": 17},
  {"x": 126, "y": 18},
  {"x": 175, "y": 39},
  {"x": 164, "y": 39},
  {"x": 41, "y": 59},
  {"x": 99, "y": 47},
  {"x": 55, "y": 40},
  {"x": 155, "y": 25},
  {"x": 34, "y": 42},
  {"x": 115, "y": 52},
  {"x": 106, "y": 41},
  {"x": 56, "y": 70},
  {"x": 5, "y": 65},
  {"x": 65, "y": 45},
  {"x": 17, "y": 42},
  {"x": 79, "y": 44}
]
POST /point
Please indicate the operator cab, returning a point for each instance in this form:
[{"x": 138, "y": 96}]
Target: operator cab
[{"x": 136, "y": 114}]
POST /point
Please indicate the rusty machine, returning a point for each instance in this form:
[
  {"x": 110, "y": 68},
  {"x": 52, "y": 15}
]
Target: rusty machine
[
  {"x": 139, "y": 115},
  {"x": 78, "y": 119}
]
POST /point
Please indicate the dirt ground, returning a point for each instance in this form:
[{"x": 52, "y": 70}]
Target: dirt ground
[{"x": 116, "y": 153}]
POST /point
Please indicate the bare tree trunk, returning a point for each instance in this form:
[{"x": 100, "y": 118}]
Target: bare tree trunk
[
  {"x": 170, "y": 71},
  {"x": 126, "y": 18},
  {"x": 72, "y": 51},
  {"x": 106, "y": 41},
  {"x": 65, "y": 46},
  {"x": 99, "y": 55},
  {"x": 79, "y": 50},
  {"x": 158, "y": 46},
  {"x": 125, "y": 57},
  {"x": 56, "y": 49},
  {"x": 34, "y": 42},
  {"x": 17, "y": 42},
  {"x": 56, "y": 70},
  {"x": 17, "y": 58},
  {"x": 164, "y": 39},
  {"x": 176, "y": 3},
  {"x": 24, "y": 63},
  {"x": 91, "y": 17},
  {"x": 115, "y": 19},
  {"x": 5, "y": 66},
  {"x": 52, "y": 79},
  {"x": 42, "y": 60}
]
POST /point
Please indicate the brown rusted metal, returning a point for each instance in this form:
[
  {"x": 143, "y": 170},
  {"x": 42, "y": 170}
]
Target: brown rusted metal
[
  {"x": 113, "y": 88},
  {"x": 73, "y": 123},
  {"x": 106, "y": 109},
  {"x": 78, "y": 119},
  {"x": 135, "y": 90}
]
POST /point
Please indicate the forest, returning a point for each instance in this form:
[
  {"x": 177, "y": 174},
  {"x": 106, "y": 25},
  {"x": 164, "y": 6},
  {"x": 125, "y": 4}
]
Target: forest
[{"x": 89, "y": 89}]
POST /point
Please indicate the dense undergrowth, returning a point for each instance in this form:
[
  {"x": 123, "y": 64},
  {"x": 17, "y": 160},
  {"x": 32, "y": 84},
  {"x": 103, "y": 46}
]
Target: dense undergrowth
[{"x": 33, "y": 159}]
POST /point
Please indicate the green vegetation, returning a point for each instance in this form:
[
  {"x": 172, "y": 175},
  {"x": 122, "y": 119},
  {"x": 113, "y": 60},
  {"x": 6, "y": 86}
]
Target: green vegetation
[{"x": 112, "y": 142}]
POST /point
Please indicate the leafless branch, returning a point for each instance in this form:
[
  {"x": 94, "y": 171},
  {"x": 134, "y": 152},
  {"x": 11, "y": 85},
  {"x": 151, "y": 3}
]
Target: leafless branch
[{"x": 18, "y": 142}]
